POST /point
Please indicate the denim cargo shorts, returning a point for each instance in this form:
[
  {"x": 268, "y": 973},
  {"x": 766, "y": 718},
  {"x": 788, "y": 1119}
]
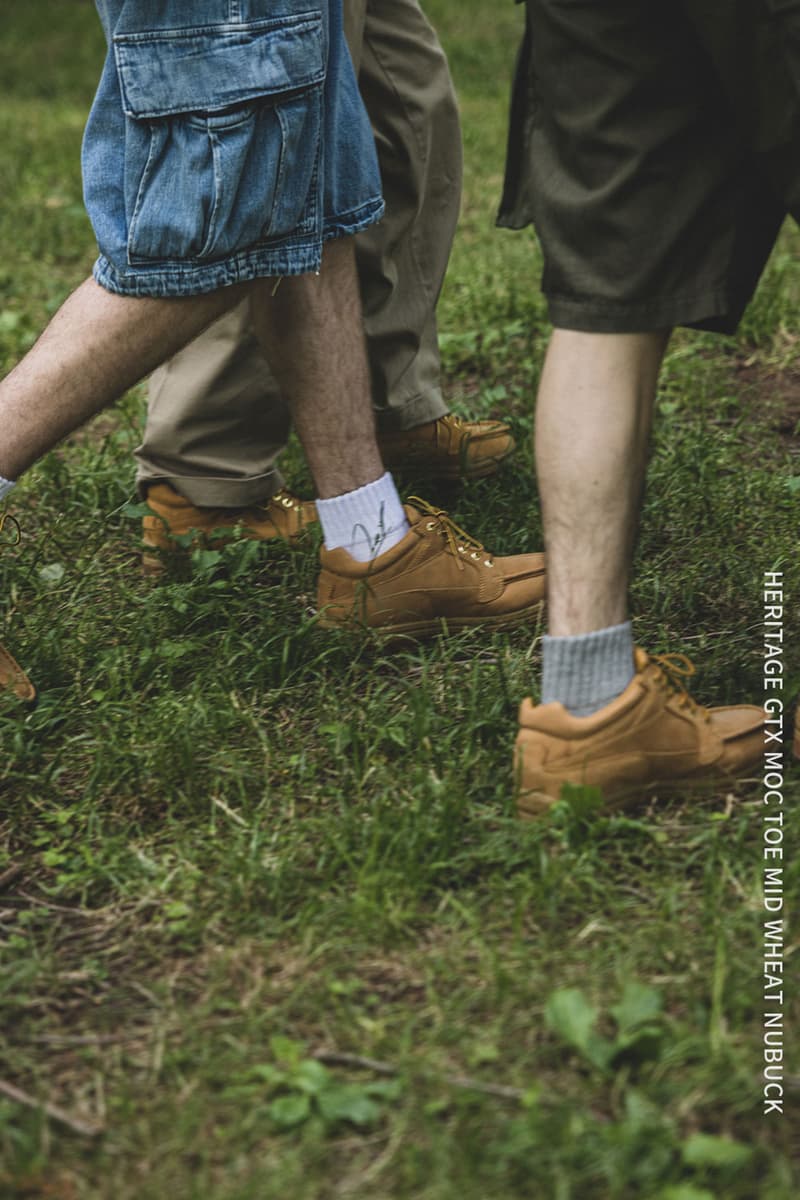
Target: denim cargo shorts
[{"x": 227, "y": 140}]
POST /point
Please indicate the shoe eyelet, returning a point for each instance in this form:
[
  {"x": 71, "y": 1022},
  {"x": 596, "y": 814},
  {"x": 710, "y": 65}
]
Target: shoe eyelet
[{"x": 431, "y": 525}]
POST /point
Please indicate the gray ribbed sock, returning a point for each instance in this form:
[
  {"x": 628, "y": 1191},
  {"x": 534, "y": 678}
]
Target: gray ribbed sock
[
  {"x": 5, "y": 486},
  {"x": 588, "y": 671}
]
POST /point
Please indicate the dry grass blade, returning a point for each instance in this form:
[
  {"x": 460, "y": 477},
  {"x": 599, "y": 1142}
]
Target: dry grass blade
[{"x": 76, "y": 1124}]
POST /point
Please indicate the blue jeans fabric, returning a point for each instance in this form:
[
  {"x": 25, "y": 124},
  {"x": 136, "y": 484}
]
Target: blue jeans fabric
[{"x": 227, "y": 140}]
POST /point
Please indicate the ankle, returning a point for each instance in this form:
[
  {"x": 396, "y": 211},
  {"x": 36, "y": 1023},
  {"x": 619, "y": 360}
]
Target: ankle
[
  {"x": 587, "y": 672},
  {"x": 365, "y": 522}
]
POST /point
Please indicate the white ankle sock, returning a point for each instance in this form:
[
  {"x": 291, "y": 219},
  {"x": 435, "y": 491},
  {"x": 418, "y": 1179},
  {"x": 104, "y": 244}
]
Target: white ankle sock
[
  {"x": 366, "y": 522},
  {"x": 5, "y": 486}
]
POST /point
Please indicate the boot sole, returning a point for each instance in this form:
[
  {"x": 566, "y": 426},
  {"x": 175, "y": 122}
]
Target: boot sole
[
  {"x": 432, "y": 626},
  {"x": 153, "y": 566},
  {"x": 533, "y": 805}
]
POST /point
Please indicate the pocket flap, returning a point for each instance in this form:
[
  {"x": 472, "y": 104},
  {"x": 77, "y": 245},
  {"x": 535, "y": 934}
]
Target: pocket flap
[{"x": 214, "y": 68}]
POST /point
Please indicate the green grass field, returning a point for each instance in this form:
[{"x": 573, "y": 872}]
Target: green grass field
[{"x": 268, "y": 925}]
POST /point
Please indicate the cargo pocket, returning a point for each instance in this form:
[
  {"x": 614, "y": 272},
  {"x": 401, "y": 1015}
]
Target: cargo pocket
[{"x": 222, "y": 136}]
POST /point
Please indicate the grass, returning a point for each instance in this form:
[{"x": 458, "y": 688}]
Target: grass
[{"x": 233, "y": 845}]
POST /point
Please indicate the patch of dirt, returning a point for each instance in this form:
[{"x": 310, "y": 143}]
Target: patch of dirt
[
  {"x": 774, "y": 396},
  {"x": 38, "y": 1187}
]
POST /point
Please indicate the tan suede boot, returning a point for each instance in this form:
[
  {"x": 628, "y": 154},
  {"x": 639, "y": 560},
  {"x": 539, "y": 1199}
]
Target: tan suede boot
[
  {"x": 436, "y": 577},
  {"x": 653, "y": 734},
  {"x": 12, "y": 676},
  {"x": 283, "y": 518},
  {"x": 449, "y": 448}
]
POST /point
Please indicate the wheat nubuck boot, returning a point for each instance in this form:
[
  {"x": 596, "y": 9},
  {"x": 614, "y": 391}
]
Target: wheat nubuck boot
[
  {"x": 436, "y": 578},
  {"x": 652, "y": 735}
]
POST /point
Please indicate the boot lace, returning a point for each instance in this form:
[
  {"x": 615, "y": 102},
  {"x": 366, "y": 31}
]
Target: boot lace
[
  {"x": 7, "y": 519},
  {"x": 460, "y": 543},
  {"x": 450, "y": 421},
  {"x": 673, "y": 669}
]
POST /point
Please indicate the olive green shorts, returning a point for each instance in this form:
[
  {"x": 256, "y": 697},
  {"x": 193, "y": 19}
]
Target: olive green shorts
[{"x": 656, "y": 148}]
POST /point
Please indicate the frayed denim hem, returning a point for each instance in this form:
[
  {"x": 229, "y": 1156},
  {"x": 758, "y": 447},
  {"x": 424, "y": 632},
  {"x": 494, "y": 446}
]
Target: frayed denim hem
[{"x": 291, "y": 256}]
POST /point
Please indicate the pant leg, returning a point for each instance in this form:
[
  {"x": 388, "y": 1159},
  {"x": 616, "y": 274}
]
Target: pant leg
[
  {"x": 216, "y": 421},
  {"x": 755, "y": 49},
  {"x": 406, "y": 86}
]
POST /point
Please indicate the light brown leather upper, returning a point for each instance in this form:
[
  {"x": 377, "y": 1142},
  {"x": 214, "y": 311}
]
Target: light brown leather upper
[
  {"x": 429, "y": 575},
  {"x": 650, "y": 732},
  {"x": 283, "y": 516},
  {"x": 13, "y": 677},
  {"x": 448, "y": 447}
]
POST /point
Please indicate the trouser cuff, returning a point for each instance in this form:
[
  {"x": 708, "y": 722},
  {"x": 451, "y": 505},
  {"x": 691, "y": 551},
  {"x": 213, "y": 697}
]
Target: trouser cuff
[
  {"x": 419, "y": 410},
  {"x": 214, "y": 491}
]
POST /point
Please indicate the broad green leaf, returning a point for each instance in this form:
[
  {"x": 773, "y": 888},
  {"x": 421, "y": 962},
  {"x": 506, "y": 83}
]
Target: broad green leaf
[
  {"x": 639, "y": 1110},
  {"x": 267, "y": 1073},
  {"x": 286, "y": 1050},
  {"x": 9, "y": 321},
  {"x": 599, "y": 1051},
  {"x": 639, "y": 1004},
  {"x": 206, "y": 560},
  {"x": 348, "y": 1102},
  {"x": 311, "y": 1076},
  {"x": 174, "y": 650},
  {"x": 385, "y": 1089},
  {"x": 54, "y": 858},
  {"x": 706, "y": 1150},
  {"x": 287, "y": 1111},
  {"x": 569, "y": 1014},
  {"x": 685, "y": 1191},
  {"x": 483, "y": 1052},
  {"x": 135, "y": 511},
  {"x": 241, "y": 1091},
  {"x": 52, "y": 574}
]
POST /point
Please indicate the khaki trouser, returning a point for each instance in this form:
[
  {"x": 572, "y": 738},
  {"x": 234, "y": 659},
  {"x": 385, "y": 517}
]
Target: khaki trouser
[{"x": 216, "y": 421}]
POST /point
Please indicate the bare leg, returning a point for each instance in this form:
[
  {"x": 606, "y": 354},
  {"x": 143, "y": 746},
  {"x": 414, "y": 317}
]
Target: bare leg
[
  {"x": 595, "y": 726},
  {"x": 313, "y": 336},
  {"x": 95, "y": 348},
  {"x": 593, "y": 419}
]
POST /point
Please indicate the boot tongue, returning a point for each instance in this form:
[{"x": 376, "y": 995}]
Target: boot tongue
[{"x": 640, "y": 659}]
